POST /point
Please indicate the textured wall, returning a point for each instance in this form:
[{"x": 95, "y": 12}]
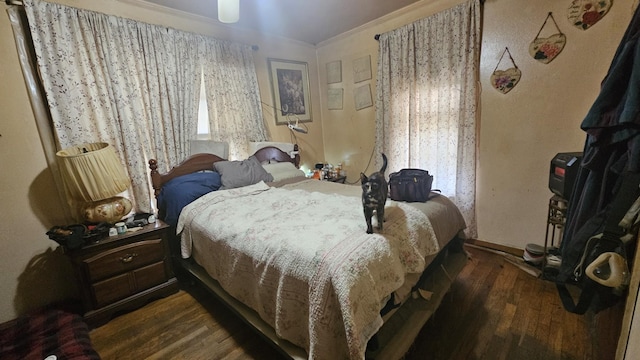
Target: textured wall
[{"x": 521, "y": 131}]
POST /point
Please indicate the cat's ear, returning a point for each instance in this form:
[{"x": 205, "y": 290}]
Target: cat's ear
[{"x": 363, "y": 178}]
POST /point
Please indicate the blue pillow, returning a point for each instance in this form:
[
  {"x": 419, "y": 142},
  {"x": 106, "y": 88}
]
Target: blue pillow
[{"x": 179, "y": 192}]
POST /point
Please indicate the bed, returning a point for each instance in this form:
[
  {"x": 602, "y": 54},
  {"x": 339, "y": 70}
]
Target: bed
[{"x": 290, "y": 255}]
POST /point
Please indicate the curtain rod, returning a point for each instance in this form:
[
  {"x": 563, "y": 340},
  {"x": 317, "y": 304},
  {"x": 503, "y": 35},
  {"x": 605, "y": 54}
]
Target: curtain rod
[
  {"x": 377, "y": 36},
  {"x": 20, "y": 3}
]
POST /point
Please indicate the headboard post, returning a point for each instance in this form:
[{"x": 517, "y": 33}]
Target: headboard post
[
  {"x": 297, "y": 156},
  {"x": 155, "y": 176}
]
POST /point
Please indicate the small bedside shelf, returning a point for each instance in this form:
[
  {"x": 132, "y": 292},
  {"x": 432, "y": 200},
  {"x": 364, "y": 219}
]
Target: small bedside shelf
[{"x": 338, "y": 179}]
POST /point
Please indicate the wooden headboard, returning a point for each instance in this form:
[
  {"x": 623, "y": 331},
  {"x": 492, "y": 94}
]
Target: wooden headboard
[
  {"x": 199, "y": 162},
  {"x": 273, "y": 154}
]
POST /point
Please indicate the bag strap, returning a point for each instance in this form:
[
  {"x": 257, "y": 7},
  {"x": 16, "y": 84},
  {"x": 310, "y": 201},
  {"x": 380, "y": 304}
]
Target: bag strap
[{"x": 584, "y": 301}]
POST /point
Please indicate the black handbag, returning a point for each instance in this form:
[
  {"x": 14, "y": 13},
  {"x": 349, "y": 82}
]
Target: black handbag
[
  {"x": 411, "y": 185},
  {"x": 74, "y": 236}
]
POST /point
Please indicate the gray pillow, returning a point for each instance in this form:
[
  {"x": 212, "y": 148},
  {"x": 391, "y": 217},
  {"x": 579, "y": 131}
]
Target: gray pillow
[{"x": 241, "y": 173}]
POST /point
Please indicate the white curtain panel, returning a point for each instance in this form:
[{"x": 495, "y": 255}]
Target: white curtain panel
[
  {"x": 427, "y": 101},
  {"x": 233, "y": 96},
  {"x": 130, "y": 84}
]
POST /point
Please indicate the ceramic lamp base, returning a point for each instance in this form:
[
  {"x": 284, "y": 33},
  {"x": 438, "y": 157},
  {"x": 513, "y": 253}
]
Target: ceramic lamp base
[{"x": 109, "y": 210}]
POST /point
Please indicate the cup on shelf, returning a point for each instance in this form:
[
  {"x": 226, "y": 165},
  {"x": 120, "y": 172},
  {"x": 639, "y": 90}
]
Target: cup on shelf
[{"x": 121, "y": 228}]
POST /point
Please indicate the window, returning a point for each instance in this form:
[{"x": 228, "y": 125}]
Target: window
[{"x": 203, "y": 113}]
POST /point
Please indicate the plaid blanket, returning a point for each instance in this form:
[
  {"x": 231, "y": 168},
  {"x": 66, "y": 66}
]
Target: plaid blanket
[{"x": 46, "y": 333}]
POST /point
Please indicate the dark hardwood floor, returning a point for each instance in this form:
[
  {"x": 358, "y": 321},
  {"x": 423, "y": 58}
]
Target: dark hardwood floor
[{"x": 494, "y": 310}]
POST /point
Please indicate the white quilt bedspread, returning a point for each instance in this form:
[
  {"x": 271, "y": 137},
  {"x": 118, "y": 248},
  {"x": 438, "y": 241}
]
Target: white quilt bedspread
[{"x": 304, "y": 261}]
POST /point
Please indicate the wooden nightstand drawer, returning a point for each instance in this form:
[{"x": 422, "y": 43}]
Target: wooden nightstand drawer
[
  {"x": 123, "y": 259},
  {"x": 110, "y": 290},
  {"x": 149, "y": 276},
  {"x": 121, "y": 286}
]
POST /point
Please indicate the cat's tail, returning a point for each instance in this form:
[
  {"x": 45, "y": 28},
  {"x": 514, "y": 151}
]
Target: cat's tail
[{"x": 384, "y": 163}]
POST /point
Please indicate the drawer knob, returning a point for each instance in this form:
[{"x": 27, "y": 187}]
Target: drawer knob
[{"x": 128, "y": 258}]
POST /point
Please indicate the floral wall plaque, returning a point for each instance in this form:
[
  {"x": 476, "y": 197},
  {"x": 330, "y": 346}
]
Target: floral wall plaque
[
  {"x": 583, "y": 14},
  {"x": 546, "y": 49},
  {"x": 505, "y": 80}
]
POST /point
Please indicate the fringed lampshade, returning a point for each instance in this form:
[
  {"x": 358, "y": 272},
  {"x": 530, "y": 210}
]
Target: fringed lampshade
[{"x": 93, "y": 176}]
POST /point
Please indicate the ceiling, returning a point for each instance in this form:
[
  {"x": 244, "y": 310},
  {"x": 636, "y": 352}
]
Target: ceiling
[{"x": 310, "y": 21}]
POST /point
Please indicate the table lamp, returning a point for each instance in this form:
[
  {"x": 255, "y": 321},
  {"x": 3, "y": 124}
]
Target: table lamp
[{"x": 93, "y": 176}]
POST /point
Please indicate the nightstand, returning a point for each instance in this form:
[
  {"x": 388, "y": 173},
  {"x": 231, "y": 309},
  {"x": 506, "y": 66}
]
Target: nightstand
[{"x": 123, "y": 272}]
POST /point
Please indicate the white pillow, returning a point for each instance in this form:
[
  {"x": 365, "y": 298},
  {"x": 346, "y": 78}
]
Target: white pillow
[{"x": 283, "y": 170}]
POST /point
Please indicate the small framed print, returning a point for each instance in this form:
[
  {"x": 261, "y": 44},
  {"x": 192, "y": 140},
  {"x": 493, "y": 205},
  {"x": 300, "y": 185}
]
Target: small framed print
[
  {"x": 290, "y": 89},
  {"x": 362, "y": 97},
  {"x": 334, "y": 72},
  {"x": 362, "y": 69},
  {"x": 334, "y": 99}
]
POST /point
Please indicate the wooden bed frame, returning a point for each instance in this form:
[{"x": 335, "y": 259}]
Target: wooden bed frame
[
  {"x": 396, "y": 336},
  {"x": 198, "y": 162}
]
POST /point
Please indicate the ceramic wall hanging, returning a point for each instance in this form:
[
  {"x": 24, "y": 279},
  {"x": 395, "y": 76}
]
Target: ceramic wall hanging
[
  {"x": 505, "y": 80},
  {"x": 546, "y": 49},
  {"x": 583, "y": 14}
]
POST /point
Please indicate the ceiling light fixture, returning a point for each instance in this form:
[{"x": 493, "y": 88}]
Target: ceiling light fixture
[{"x": 228, "y": 11}]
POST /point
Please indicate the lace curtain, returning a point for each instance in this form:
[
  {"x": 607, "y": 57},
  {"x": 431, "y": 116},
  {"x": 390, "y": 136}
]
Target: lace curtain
[
  {"x": 427, "y": 101},
  {"x": 235, "y": 112},
  {"x": 133, "y": 85}
]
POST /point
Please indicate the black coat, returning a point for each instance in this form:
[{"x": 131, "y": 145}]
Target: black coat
[{"x": 611, "y": 150}]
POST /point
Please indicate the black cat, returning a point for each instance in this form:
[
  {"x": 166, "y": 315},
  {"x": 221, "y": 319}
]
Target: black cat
[{"x": 374, "y": 195}]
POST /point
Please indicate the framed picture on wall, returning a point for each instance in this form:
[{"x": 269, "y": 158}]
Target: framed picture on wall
[
  {"x": 362, "y": 97},
  {"x": 334, "y": 98},
  {"x": 290, "y": 89},
  {"x": 362, "y": 69},
  {"x": 334, "y": 72}
]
